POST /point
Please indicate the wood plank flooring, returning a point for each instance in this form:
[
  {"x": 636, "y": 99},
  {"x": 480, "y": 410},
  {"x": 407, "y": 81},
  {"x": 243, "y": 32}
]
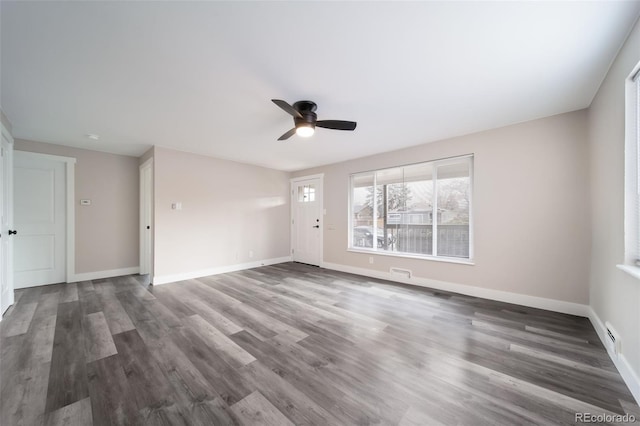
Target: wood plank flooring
[{"x": 293, "y": 344}]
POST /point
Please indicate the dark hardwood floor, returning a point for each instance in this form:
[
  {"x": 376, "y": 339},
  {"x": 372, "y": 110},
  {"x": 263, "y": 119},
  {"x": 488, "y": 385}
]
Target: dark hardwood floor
[{"x": 293, "y": 344}]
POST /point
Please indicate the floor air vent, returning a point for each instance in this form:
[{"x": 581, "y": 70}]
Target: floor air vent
[
  {"x": 400, "y": 273},
  {"x": 613, "y": 339}
]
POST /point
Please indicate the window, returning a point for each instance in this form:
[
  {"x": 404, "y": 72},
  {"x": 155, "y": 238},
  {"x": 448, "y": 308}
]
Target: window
[
  {"x": 306, "y": 193},
  {"x": 421, "y": 210},
  {"x": 632, "y": 172}
]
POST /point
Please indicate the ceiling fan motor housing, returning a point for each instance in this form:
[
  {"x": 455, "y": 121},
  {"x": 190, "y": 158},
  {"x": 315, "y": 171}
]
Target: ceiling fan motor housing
[
  {"x": 306, "y": 109},
  {"x": 305, "y": 106},
  {"x": 308, "y": 119}
]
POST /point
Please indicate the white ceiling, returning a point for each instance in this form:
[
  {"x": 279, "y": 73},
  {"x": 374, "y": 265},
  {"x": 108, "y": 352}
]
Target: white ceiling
[{"x": 199, "y": 76}]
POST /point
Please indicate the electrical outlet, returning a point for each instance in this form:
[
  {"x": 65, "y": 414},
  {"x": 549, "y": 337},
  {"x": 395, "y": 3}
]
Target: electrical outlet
[
  {"x": 250, "y": 254},
  {"x": 371, "y": 259}
]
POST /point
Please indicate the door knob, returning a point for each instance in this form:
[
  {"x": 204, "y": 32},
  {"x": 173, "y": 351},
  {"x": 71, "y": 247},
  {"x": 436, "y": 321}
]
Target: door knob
[
  {"x": 317, "y": 226},
  {"x": 12, "y": 232}
]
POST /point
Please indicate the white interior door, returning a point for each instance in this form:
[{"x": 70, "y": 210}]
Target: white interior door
[
  {"x": 6, "y": 241},
  {"x": 146, "y": 209},
  {"x": 39, "y": 219},
  {"x": 306, "y": 235}
]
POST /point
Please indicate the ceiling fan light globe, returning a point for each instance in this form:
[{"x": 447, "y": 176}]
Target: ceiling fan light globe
[{"x": 305, "y": 131}]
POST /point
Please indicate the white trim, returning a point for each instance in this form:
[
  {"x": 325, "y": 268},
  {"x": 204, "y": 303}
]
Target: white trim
[
  {"x": 70, "y": 207},
  {"x": 6, "y": 132},
  {"x": 457, "y": 260},
  {"x": 631, "y": 171},
  {"x": 9, "y": 196},
  {"x": 49, "y": 157},
  {"x": 301, "y": 178},
  {"x": 143, "y": 234},
  {"x": 435, "y": 236},
  {"x": 71, "y": 218},
  {"x": 147, "y": 162},
  {"x": 165, "y": 279},
  {"x": 97, "y": 275},
  {"x": 624, "y": 368},
  {"x": 472, "y": 231},
  {"x": 634, "y": 271},
  {"x": 485, "y": 293}
]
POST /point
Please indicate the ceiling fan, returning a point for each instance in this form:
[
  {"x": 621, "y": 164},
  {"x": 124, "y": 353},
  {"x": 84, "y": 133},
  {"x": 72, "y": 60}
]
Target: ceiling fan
[{"x": 306, "y": 120}]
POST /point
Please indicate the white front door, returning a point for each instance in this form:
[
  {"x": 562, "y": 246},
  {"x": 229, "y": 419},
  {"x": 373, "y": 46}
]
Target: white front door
[
  {"x": 39, "y": 219},
  {"x": 6, "y": 240},
  {"x": 306, "y": 232}
]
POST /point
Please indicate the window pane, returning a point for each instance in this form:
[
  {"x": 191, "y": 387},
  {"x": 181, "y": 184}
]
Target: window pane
[
  {"x": 415, "y": 233},
  {"x": 362, "y": 211},
  {"x": 306, "y": 193},
  {"x": 453, "y": 210},
  {"x": 404, "y": 197},
  {"x": 391, "y": 197}
]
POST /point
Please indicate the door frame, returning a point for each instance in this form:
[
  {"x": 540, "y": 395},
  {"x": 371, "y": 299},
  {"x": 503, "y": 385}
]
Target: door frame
[
  {"x": 7, "y": 194},
  {"x": 293, "y": 182},
  {"x": 146, "y": 252},
  {"x": 70, "y": 178}
]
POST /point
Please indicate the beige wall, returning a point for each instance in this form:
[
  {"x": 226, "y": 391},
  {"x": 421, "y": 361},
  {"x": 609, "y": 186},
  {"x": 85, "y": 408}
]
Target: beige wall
[
  {"x": 615, "y": 296},
  {"x": 107, "y": 231},
  {"x": 531, "y": 209},
  {"x": 228, "y": 209}
]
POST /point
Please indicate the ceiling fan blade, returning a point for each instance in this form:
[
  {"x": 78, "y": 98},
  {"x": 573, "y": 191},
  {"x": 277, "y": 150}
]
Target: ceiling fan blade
[
  {"x": 287, "y": 135},
  {"x": 288, "y": 108},
  {"x": 336, "y": 124}
]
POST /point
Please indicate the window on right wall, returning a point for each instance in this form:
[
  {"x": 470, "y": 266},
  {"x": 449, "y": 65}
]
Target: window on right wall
[{"x": 632, "y": 175}]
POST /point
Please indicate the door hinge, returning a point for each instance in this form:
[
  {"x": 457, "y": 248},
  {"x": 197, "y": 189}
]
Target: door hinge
[
  {"x": 293, "y": 221},
  {"x": 292, "y": 250}
]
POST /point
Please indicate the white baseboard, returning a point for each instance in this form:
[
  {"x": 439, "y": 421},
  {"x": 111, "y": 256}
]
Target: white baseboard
[
  {"x": 12, "y": 301},
  {"x": 165, "y": 279},
  {"x": 485, "y": 293},
  {"x": 628, "y": 375},
  {"x": 86, "y": 276}
]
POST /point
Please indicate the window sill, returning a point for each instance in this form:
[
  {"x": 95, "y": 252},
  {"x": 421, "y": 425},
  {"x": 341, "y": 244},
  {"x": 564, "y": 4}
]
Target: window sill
[
  {"x": 409, "y": 256},
  {"x": 634, "y": 271}
]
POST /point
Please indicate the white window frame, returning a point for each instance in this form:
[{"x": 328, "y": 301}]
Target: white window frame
[
  {"x": 435, "y": 257},
  {"x": 631, "y": 262}
]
